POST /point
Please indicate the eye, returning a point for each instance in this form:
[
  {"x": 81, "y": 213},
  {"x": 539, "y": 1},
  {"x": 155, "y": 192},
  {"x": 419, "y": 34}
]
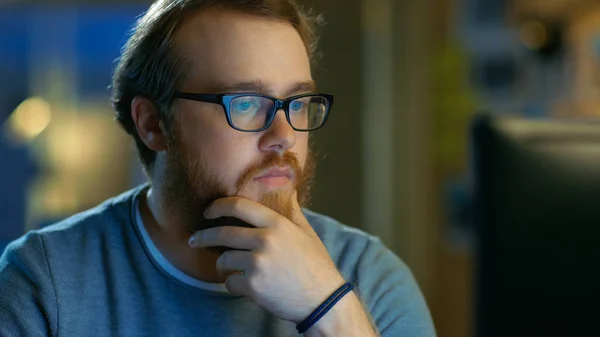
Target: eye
[
  {"x": 296, "y": 106},
  {"x": 244, "y": 105}
]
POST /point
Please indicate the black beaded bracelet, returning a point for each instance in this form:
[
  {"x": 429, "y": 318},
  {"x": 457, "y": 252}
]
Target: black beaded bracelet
[{"x": 316, "y": 315}]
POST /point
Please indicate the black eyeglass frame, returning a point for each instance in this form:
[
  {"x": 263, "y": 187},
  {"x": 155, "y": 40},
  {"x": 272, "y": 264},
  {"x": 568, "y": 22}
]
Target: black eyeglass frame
[{"x": 225, "y": 101}]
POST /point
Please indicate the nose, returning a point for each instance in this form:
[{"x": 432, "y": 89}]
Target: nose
[{"x": 280, "y": 136}]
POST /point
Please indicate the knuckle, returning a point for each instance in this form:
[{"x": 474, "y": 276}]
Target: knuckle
[
  {"x": 254, "y": 285},
  {"x": 207, "y": 236},
  {"x": 259, "y": 261},
  {"x": 220, "y": 234},
  {"x": 238, "y": 206},
  {"x": 267, "y": 240}
]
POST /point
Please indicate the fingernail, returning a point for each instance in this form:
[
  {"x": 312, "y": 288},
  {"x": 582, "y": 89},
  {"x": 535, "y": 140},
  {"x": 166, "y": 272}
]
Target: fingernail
[{"x": 192, "y": 240}]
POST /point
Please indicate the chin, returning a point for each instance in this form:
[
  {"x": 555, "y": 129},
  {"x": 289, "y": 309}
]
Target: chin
[
  {"x": 257, "y": 191},
  {"x": 278, "y": 199}
]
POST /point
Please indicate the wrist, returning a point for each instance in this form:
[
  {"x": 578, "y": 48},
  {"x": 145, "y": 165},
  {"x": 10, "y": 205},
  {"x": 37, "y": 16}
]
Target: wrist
[
  {"x": 325, "y": 291},
  {"x": 346, "y": 318},
  {"x": 326, "y": 304},
  {"x": 332, "y": 321}
]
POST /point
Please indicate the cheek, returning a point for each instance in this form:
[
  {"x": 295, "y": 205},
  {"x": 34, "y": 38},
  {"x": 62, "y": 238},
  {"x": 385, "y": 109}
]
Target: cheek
[
  {"x": 206, "y": 136},
  {"x": 301, "y": 146},
  {"x": 225, "y": 155},
  {"x": 229, "y": 162}
]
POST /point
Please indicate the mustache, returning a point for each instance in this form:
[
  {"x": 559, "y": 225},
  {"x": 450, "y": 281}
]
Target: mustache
[{"x": 288, "y": 159}]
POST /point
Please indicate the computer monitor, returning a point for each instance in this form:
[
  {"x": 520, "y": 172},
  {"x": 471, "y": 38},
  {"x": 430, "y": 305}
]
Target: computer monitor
[{"x": 537, "y": 225}]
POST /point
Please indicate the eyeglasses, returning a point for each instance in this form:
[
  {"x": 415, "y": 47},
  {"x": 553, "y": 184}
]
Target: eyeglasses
[{"x": 255, "y": 112}]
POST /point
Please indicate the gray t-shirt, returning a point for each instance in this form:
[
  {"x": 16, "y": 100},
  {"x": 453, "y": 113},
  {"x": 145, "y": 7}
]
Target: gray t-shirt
[{"x": 99, "y": 274}]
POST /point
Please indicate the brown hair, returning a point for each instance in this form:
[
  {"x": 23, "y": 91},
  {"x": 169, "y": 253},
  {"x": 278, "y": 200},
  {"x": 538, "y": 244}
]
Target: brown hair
[{"x": 151, "y": 66}]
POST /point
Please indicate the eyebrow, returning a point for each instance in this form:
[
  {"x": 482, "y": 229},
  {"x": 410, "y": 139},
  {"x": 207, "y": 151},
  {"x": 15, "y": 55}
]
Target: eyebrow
[{"x": 263, "y": 88}]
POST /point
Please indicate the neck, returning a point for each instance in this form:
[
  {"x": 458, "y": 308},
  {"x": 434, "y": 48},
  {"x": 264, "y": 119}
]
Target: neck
[{"x": 170, "y": 237}]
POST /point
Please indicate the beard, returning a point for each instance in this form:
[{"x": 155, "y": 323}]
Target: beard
[{"x": 189, "y": 186}]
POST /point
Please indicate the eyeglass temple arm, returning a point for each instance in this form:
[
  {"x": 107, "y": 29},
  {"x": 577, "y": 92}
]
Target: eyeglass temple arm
[{"x": 209, "y": 98}]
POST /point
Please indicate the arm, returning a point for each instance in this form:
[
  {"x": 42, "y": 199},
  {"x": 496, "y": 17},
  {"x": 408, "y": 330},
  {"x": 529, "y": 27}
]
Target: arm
[{"x": 27, "y": 300}]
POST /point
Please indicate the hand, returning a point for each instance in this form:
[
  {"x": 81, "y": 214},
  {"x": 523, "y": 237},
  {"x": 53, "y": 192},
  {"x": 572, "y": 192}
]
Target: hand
[{"x": 287, "y": 269}]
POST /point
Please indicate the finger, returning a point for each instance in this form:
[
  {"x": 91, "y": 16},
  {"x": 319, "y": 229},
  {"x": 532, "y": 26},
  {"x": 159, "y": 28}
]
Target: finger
[
  {"x": 243, "y": 209},
  {"x": 227, "y": 236},
  {"x": 238, "y": 284},
  {"x": 235, "y": 260}
]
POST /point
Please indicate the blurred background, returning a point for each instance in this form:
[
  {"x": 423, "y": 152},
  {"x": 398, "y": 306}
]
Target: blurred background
[{"x": 408, "y": 77}]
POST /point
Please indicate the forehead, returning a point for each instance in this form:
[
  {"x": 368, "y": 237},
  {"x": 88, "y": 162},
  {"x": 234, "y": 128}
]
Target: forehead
[{"x": 225, "y": 47}]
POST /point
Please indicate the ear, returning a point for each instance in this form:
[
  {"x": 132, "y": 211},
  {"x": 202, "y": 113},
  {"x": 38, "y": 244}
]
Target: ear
[{"x": 146, "y": 117}]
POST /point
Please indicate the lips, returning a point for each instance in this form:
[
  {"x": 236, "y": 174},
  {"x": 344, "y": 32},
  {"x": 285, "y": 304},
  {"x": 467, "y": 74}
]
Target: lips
[{"x": 276, "y": 173}]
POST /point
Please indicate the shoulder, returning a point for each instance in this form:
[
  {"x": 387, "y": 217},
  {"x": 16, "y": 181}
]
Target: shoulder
[
  {"x": 75, "y": 231},
  {"x": 334, "y": 233},
  {"x": 105, "y": 218},
  {"x": 348, "y": 243},
  {"x": 359, "y": 255}
]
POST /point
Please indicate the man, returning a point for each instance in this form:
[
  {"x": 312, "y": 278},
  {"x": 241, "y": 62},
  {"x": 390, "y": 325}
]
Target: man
[{"x": 219, "y": 98}]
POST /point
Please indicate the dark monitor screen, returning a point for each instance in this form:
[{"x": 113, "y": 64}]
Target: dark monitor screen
[{"x": 537, "y": 220}]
